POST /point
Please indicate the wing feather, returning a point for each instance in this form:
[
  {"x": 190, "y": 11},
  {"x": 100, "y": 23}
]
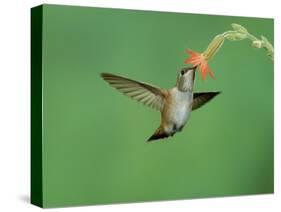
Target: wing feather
[
  {"x": 199, "y": 99},
  {"x": 147, "y": 94}
]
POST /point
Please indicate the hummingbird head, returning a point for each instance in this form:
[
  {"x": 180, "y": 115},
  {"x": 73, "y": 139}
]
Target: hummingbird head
[{"x": 186, "y": 79}]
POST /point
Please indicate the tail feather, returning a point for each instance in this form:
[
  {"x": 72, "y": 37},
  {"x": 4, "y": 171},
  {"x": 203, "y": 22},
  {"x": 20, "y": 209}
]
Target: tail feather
[{"x": 158, "y": 134}]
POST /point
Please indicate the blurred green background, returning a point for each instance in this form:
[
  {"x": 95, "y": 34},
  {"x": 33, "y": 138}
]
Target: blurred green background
[{"x": 94, "y": 138}]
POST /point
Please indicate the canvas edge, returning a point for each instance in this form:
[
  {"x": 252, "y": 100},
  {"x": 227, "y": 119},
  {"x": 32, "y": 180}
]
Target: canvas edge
[{"x": 36, "y": 190}]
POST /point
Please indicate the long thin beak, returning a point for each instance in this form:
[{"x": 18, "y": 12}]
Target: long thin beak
[{"x": 194, "y": 68}]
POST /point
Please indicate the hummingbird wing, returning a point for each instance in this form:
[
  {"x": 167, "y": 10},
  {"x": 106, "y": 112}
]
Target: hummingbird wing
[
  {"x": 147, "y": 94},
  {"x": 199, "y": 99}
]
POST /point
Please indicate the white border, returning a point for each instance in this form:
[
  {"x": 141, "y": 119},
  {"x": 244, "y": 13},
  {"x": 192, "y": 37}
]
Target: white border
[{"x": 15, "y": 98}]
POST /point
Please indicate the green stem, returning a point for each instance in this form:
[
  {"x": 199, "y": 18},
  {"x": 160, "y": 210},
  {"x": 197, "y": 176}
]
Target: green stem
[{"x": 239, "y": 33}]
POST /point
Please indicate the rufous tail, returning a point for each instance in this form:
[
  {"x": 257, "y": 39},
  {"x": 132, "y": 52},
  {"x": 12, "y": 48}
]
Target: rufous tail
[{"x": 158, "y": 134}]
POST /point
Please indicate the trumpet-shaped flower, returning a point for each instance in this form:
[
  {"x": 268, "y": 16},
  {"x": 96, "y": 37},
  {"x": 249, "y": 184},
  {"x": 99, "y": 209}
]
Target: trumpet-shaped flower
[{"x": 199, "y": 59}]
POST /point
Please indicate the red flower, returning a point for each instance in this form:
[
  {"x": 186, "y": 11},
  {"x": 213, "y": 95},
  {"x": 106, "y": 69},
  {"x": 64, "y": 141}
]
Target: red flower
[{"x": 199, "y": 59}]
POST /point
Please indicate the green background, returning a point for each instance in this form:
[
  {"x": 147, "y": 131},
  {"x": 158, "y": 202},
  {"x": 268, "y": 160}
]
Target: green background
[{"x": 94, "y": 138}]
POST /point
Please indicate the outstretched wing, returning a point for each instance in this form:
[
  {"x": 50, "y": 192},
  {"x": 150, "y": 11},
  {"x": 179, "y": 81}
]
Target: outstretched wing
[
  {"x": 199, "y": 99},
  {"x": 149, "y": 95}
]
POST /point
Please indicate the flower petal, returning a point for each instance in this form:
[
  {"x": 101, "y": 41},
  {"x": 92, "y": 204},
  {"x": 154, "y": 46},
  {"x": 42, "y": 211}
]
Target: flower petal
[
  {"x": 199, "y": 59},
  {"x": 203, "y": 70},
  {"x": 211, "y": 73},
  {"x": 193, "y": 61},
  {"x": 192, "y": 53}
]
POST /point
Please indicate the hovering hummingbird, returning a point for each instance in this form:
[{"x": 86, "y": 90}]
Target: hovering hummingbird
[{"x": 175, "y": 104}]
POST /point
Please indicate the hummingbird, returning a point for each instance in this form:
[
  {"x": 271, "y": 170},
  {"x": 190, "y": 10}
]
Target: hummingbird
[{"x": 175, "y": 104}]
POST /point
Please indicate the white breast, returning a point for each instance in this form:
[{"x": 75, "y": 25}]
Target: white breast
[{"x": 181, "y": 108}]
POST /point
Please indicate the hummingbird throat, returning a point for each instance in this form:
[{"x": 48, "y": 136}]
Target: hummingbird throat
[{"x": 185, "y": 83}]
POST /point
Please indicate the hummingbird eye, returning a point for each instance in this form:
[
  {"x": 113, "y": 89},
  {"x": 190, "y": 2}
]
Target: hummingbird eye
[{"x": 182, "y": 72}]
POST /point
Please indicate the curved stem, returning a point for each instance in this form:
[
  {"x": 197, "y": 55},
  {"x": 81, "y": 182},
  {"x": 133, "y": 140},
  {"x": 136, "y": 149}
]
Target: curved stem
[{"x": 239, "y": 33}]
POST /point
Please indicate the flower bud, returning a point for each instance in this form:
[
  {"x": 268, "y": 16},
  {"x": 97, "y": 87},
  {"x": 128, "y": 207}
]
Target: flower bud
[
  {"x": 239, "y": 28},
  {"x": 257, "y": 44}
]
